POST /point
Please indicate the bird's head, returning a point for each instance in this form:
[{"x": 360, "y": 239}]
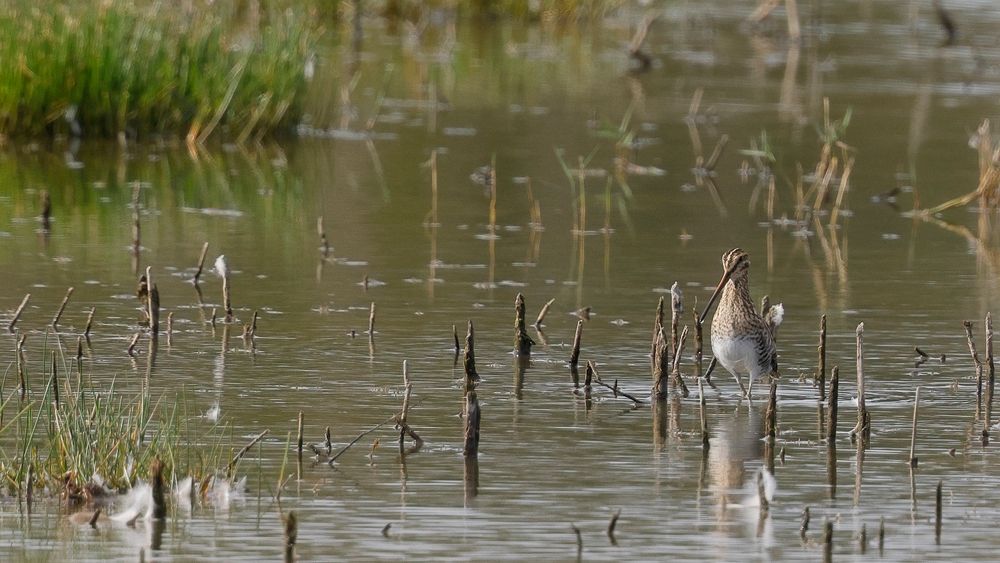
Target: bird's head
[{"x": 737, "y": 262}]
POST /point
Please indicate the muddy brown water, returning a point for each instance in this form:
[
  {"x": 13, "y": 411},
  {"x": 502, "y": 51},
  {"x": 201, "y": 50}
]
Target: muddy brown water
[{"x": 549, "y": 458}]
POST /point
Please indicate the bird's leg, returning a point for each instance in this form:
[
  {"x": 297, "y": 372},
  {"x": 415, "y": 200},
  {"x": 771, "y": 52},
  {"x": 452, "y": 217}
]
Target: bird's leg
[
  {"x": 743, "y": 390},
  {"x": 749, "y": 386}
]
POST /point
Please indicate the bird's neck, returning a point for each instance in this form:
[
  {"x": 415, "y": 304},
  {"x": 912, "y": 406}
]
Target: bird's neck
[{"x": 736, "y": 294}]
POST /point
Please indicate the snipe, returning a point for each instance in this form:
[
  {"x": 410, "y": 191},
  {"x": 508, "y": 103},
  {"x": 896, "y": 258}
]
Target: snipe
[{"x": 742, "y": 337}]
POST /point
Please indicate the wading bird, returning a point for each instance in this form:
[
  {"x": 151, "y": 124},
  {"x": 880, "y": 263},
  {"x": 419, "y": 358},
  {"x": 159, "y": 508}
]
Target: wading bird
[{"x": 742, "y": 338}]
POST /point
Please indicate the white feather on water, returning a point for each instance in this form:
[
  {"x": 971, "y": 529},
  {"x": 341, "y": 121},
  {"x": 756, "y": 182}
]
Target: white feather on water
[
  {"x": 135, "y": 503},
  {"x": 213, "y": 412},
  {"x": 221, "y": 267}
]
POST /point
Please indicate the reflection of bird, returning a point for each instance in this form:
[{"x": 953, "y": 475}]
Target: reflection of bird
[{"x": 742, "y": 338}]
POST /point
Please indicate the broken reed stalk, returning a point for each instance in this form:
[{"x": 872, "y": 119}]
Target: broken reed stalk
[
  {"x": 595, "y": 377},
  {"x": 132, "y": 343},
  {"x": 820, "y": 379},
  {"x": 201, "y": 263},
  {"x": 154, "y": 309},
  {"x": 611, "y": 526},
  {"x": 404, "y": 428},
  {"x": 699, "y": 340},
  {"x": 90, "y": 322},
  {"x": 301, "y": 428},
  {"x": 469, "y": 358},
  {"x": 291, "y": 522},
  {"x": 574, "y": 357},
  {"x": 471, "y": 417},
  {"x": 62, "y": 307},
  {"x": 675, "y": 313},
  {"x": 676, "y": 368},
  {"x": 828, "y": 541},
  {"x": 771, "y": 414},
  {"x": 344, "y": 449},
  {"x": 804, "y": 526},
  {"x": 545, "y": 310},
  {"x": 661, "y": 365},
  {"x": 159, "y": 490},
  {"x": 371, "y": 319},
  {"x": 913, "y": 429},
  {"x": 979, "y": 364},
  {"x": 831, "y": 428},
  {"x": 657, "y": 325},
  {"x": 231, "y": 467},
  {"x": 881, "y": 534},
  {"x": 991, "y": 377},
  {"x": 17, "y": 313},
  {"x": 522, "y": 342},
  {"x": 702, "y": 415},
  {"x": 937, "y": 514},
  {"x": 454, "y": 334},
  {"x": 227, "y": 301},
  {"x": 579, "y": 541},
  {"x": 21, "y": 372},
  {"x": 863, "y": 428}
]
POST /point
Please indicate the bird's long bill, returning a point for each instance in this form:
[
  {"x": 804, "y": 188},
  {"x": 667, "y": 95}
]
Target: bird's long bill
[{"x": 715, "y": 294}]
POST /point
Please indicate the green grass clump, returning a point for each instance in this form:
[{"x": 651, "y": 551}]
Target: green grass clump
[
  {"x": 106, "y": 67},
  {"x": 91, "y": 440}
]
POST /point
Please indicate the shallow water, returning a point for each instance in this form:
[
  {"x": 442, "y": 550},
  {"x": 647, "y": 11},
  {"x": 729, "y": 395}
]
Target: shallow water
[{"x": 548, "y": 457}]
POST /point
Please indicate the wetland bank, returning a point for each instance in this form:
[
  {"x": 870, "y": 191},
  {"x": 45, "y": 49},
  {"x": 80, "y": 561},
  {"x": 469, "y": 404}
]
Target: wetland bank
[{"x": 456, "y": 164}]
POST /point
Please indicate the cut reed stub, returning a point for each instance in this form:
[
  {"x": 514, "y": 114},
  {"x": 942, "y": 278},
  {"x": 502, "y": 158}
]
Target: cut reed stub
[
  {"x": 291, "y": 532},
  {"x": 132, "y": 344},
  {"x": 201, "y": 264},
  {"x": 612, "y": 524},
  {"x": 159, "y": 490},
  {"x": 522, "y": 342},
  {"x": 472, "y": 419},
  {"x": 831, "y": 426},
  {"x": 545, "y": 310},
  {"x": 820, "y": 378},
  {"x": 937, "y": 514},
  {"x": 90, "y": 322},
  {"x": 574, "y": 358},
  {"x": 154, "y": 309},
  {"x": 371, "y": 319},
  {"x": 913, "y": 431},
  {"x": 828, "y": 541},
  {"x": 469, "y": 358},
  {"x": 657, "y": 325},
  {"x": 62, "y": 307}
]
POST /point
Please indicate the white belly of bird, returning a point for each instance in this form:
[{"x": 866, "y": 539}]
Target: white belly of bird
[{"x": 738, "y": 355}]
